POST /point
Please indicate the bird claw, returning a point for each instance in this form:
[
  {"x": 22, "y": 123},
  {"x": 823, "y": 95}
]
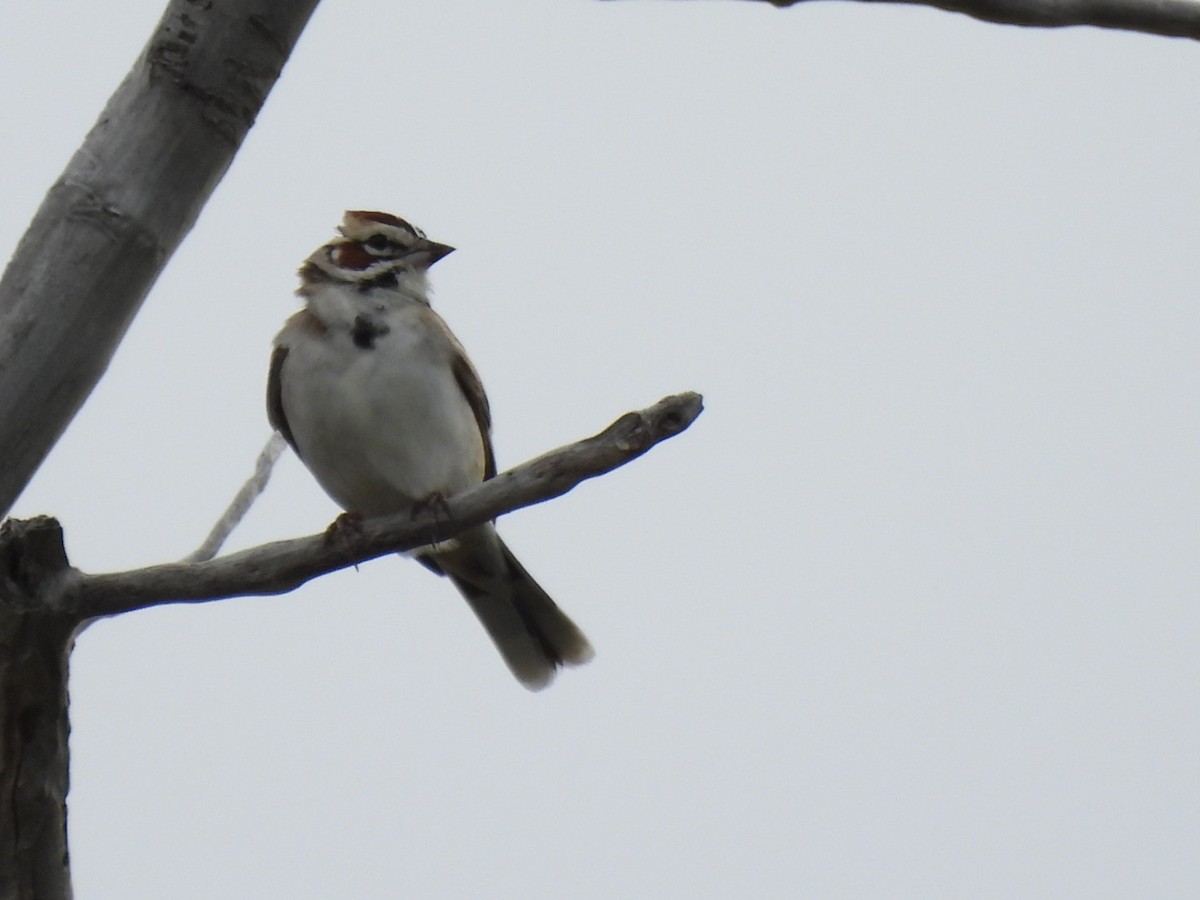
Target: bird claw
[
  {"x": 435, "y": 503},
  {"x": 345, "y": 530}
]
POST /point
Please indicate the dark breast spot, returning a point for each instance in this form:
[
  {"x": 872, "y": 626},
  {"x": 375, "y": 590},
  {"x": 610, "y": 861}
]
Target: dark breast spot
[{"x": 365, "y": 332}]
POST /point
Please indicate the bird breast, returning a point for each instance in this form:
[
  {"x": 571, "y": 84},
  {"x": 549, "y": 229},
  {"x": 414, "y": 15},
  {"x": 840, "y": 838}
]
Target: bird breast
[{"x": 377, "y": 413}]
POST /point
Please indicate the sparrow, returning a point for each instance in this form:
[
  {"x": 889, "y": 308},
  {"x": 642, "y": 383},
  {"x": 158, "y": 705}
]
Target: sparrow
[{"x": 379, "y": 400}]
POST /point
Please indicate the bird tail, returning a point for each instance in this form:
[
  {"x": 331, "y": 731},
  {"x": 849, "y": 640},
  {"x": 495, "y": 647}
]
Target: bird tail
[{"x": 533, "y": 635}]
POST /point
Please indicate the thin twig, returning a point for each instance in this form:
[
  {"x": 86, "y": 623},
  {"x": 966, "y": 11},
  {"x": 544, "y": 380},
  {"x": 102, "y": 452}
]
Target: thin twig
[{"x": 242, "y": 501}]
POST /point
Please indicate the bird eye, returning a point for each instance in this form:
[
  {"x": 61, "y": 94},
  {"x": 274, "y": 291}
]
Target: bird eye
[{"x": 378, "y": 243}]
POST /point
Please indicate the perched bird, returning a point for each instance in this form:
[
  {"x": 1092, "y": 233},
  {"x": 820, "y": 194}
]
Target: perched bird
[{"x": 378, "y": 399}]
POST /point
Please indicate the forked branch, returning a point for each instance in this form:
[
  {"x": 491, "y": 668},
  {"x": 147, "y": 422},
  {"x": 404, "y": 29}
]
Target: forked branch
[
  {"x": 43, "y": 601},
  {"x": 282, "y": 566}
]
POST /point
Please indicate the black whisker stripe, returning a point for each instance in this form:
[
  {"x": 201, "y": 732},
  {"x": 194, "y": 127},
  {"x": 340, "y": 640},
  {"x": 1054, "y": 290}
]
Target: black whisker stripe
[
  {"x": 310, "y": 272},
  {"x": 386, "y": 279}
]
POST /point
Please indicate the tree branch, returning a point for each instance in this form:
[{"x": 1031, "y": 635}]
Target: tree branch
[
  {"x": 125, "y": 201},
  {"x": 282, "y": 566},
  {"x": 1170, "y": 18}
]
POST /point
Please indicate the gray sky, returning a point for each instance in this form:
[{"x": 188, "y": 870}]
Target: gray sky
[{"x": 910, "y": 612}]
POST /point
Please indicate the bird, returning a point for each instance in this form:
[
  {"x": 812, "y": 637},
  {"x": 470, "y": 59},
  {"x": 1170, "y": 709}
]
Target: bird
[{"x": 380, "y": 402}]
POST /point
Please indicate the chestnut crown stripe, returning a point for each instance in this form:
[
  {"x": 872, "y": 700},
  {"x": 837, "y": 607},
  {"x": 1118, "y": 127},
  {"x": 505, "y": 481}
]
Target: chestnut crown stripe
[{"x": 383, "y": 219}]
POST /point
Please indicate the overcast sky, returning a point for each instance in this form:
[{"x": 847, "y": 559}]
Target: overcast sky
[{"x": 911, "y": 611}]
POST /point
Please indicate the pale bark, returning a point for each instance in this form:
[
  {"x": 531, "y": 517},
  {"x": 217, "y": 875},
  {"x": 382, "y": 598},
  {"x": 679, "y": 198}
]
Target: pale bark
[{"x": 124, "y": 203}]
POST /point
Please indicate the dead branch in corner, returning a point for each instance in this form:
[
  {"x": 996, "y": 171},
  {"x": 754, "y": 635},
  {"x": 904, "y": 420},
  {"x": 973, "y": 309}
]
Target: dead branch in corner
[{"x": 1168, "y": 18}]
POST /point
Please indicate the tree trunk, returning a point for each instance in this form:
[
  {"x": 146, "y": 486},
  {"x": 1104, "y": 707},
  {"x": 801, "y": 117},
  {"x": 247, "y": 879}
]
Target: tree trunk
[{"x": 34, "y": 648}]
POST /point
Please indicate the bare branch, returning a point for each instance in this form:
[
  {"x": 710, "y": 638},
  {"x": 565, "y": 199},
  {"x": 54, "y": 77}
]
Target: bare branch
[
  {"x": 122, "y": 206},
  {"x": 284, "y": 565},
  {"x": 1171, "y": 18},
  {"x": 43, "y": 601}
]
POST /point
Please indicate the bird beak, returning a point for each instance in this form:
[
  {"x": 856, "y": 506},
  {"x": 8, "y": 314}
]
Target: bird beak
[{"x": 424, "y": 253}]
